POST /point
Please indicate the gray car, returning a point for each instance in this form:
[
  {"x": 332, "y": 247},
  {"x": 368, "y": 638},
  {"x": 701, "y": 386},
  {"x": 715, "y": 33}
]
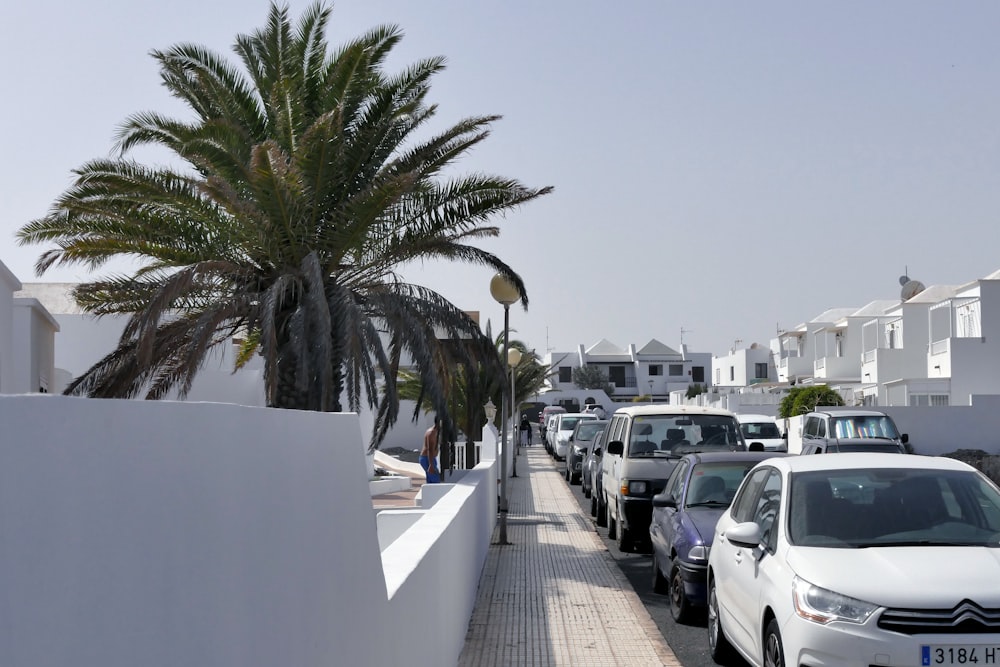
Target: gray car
[
  {"x": 579, "y": 443},
  {"x": 592, "y": 467}
]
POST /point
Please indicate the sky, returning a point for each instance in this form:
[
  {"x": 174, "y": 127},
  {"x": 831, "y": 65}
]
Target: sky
[{"x": 721, "y": 170}]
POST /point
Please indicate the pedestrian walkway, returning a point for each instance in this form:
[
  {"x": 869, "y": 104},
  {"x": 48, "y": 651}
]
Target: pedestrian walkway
[{"x": 554, "y": 595}]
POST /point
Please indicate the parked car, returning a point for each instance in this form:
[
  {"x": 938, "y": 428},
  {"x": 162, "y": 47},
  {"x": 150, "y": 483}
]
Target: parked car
[
  {"x": 644, "y": 444},
  {"x": 764, "y": 430},
  {"x": 698, "y": 491},
  {"x": 563, "y": 429},
  {"x": 550, "y": 429},
  {"x": 579, "y": 441},
  {"x": 832, "y": 446},
  {"x": 823, "y": 426},
  {"x": 592, "y": 465},
  {"x": 858, "y": 559}
]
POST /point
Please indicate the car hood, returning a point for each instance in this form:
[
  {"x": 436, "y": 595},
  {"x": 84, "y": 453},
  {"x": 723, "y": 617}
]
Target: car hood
[
  {"x": 703, "y": 520},
  {"x": 651, "y": 468},
  {"x": 919, "y": 577}
]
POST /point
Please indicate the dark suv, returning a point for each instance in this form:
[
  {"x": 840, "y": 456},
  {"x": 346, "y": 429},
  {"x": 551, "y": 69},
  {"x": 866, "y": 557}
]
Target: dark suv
[{"x": 579, "y": 443}]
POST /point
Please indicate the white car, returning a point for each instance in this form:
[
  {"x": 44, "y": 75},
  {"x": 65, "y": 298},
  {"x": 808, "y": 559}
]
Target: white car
[
  {"x": 563, "y": 429},
  {"x": 762, "y": 429},
  {"x": 858, "y": 559}
]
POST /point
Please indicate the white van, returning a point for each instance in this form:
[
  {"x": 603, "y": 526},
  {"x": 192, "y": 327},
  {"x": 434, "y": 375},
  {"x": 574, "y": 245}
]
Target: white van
[{"x": 764, "y": 430}]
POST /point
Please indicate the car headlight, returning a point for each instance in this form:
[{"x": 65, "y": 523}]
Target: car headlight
[
  {"x": 636, "y": 488},
  {"x": 699, "y": 553},
  {"x": 822, "y": 606},
  {"x": 580, "y": 451}
]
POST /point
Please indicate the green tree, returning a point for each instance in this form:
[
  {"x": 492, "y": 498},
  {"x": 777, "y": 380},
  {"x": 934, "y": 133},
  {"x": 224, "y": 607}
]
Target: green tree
[
  {"x": 801, "y": 400},
  {"x": 592, "y": 377},
  {"x": 309, "y": 178},
  {"x": 694, "y": 390}
]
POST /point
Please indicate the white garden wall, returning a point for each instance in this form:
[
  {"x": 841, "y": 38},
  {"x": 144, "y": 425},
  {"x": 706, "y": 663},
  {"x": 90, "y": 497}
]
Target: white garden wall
[{"x": 163, "y": 534}]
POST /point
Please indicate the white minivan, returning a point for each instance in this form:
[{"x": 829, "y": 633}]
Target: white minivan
[{"x": 764, "y": 430}]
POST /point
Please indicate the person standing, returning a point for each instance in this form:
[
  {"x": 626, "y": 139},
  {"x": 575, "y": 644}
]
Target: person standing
[
  {"x": 525, "y": 431},
  {"x": 428, "y": 455}
]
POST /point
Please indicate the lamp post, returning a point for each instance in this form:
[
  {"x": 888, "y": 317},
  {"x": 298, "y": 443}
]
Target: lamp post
[
  {"x": 650, "y": 391},
  {"x": 504, "y": 293},
  {"x": 513, "y": 359}
]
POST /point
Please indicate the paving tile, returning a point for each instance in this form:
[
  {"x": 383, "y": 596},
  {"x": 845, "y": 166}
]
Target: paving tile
[{"x": 554, "y": 595}]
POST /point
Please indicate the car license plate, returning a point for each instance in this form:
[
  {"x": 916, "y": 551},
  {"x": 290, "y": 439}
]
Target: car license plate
[{"x": 960, "y": 654}]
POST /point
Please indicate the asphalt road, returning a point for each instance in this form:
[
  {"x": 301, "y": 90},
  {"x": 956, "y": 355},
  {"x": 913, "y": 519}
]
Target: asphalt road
[{"x": 688, "y": 642}]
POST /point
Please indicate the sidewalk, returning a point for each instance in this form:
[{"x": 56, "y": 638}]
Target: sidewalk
[{"x": 554, "y": 595}]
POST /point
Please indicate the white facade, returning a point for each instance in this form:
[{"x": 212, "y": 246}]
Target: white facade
[
  {"x": 8, "y": 285},
  {"x": 653, "y": 370},
  {"x": 744, "y": 367}
]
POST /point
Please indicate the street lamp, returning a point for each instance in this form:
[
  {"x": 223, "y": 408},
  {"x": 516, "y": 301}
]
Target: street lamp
[
  {"x": 513, "y": 359},
  {"x": 650, "y": 391},
  {"x": 504, "y": 292}
]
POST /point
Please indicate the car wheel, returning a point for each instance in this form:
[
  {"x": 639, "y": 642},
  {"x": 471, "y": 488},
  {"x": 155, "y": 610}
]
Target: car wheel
[
  {"x": 566, "y": 475},
  {"x": 602, "y": 511},
  {"x": 659, "y": 581},
  {"x": 774, "y": 651},
  {"x": 719, "y": 647},
  {"x": 585, "y": 488},
  {"x": 575, "y": 479},
  {"x": 624, "y": 539},
  {"x": 680, "y": 607},
  {"x": 593, "y": 505}
]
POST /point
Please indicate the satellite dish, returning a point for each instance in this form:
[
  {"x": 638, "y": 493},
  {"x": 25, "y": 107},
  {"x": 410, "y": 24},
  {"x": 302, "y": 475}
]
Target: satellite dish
[
  {"x": 903, "y": 279},
  {"x": 910, "y": 289}
]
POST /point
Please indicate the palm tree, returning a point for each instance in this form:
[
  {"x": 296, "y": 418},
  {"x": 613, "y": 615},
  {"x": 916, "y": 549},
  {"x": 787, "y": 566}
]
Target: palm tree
[{"x": 305, "y": 186}]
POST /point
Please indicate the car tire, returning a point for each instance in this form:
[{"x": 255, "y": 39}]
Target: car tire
[
  {"x": 624, "y": 536},
  {"x": 659, "y": 581},
  {"x": 593, "y": 505},
  {"x": 566, "y": 475},
  {"x": 585, "y": 488},
  {"x": 718, "y": 646},
  {"x": 774, "y": 650},
  {"x": 602, "y": 512},
  {"x": 680, "y": 607}
]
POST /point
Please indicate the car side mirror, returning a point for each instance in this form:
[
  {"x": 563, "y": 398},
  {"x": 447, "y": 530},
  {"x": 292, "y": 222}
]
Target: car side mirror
[
  {"x": 597, "y": 451},
  {"x": 616, "y": 448},
  {"x": 905, "y": 438},
  {"x": 746, "y": 535},
  {"x": 664, "y": 500}
]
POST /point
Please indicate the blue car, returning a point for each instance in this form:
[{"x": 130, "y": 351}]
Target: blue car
[{"x": 699, "y": 489}]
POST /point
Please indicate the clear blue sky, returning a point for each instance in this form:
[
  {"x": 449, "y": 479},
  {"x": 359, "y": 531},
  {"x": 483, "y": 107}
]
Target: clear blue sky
[{"x": 723, "y": 167}]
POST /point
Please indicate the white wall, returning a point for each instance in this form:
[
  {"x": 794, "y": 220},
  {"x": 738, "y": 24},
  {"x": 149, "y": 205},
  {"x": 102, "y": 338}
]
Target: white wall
[
  {"x": 8, "y": 285},
  {"x": 161, "y": 533}
]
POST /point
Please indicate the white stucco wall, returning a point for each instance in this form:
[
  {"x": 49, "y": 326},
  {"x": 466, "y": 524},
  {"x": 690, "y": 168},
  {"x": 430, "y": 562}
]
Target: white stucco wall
[
  {"x": 8, "y": 285},
  {"x": 162, "y": 533}
]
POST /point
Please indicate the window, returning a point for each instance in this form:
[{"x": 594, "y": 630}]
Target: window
[
  {"x": 565, "y": 374},
  {"x": 656, "y": 369},
  {"x": 616, "y": 375},
  {"x": 929, "y": 399},
  {"x": 676, "y": 369},
  {"x": 676, "y": 481},
  {"x": 743, "y": 504},
  {"x": 760, "y": 371},
  {"x": 697, "y": 373},
  {"x": 732, "y": 373},
  {"x": 767, "y": 509}
]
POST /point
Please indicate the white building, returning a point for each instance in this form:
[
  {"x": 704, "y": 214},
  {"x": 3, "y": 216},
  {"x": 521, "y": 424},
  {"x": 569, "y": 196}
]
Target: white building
[
  {"x": 654, "y": 369},
  {"x": 27, "y": 340}
]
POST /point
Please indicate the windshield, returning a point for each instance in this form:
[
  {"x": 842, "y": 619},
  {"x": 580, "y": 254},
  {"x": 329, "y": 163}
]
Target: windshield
[
  {"x": 568, "y": 423},
  {"x": 674, "y": 435},
  {"x": 888, "y": 447},
  {"x": 714, "y": 484},
  {"x": 893, "y": 507},
  {"x": 587, "y": 431},
  {"x": 867, "y": 426},
  {"x": 763, "y": 430}
]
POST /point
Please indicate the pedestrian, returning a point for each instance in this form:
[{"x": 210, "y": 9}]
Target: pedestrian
[
  {"x": 428, "y": 455},
  {"x": 525, "y": 431}
]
